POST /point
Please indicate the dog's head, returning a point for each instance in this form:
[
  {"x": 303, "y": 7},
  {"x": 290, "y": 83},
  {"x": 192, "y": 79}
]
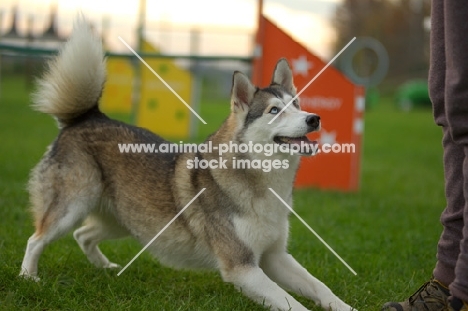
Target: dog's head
[{"x": 255, "y": 109}]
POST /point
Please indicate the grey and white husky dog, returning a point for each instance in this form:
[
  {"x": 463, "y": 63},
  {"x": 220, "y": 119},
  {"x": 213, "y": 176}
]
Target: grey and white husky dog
[{"x": 236, "y": 225}]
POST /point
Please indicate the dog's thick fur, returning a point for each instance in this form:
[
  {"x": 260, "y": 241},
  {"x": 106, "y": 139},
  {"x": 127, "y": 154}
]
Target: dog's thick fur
[{"x": 236, "y": 225}]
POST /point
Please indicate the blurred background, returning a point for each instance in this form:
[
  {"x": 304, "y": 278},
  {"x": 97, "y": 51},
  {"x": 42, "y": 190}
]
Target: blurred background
[
  {"x": 390, "y": 57},
  {"x": 196, "y": 46}
]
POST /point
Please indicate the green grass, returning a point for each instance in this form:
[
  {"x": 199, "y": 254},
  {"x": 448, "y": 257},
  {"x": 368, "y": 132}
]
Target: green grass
[{"x": 387, "y": 232}]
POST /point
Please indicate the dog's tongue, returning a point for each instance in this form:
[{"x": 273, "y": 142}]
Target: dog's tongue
[
  {"x": 299, "y": 141},
  {"x": 306, "y": 141},
  {"x": 306, "y": 146}
]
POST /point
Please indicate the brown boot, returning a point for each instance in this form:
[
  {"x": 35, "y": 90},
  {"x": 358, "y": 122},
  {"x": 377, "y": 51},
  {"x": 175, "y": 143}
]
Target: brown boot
[{"x": 432, "y": 296}]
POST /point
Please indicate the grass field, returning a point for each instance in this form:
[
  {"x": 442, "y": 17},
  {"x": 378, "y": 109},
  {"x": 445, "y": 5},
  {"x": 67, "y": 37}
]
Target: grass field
[{"x": 387, "y": 232}]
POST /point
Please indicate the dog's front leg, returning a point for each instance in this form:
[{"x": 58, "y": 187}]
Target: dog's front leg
[
  {"x": 255, "y": 284},
  {"x": 282, "y": 268}
]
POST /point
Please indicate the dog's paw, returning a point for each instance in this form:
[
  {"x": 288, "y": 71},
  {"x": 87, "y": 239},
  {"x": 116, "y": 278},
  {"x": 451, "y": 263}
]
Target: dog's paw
[
  {"x": 29, "y": 277},
  {"x": 112, "y": 265},
  {"x": 343, "y": 307}
]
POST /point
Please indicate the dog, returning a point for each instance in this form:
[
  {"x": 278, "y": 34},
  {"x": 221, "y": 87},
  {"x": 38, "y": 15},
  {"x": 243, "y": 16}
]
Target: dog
[{"x": 236, "y": 225}]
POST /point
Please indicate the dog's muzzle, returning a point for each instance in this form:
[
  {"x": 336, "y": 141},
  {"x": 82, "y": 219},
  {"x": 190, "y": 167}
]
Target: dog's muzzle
[{"x": 313, "y": 124}]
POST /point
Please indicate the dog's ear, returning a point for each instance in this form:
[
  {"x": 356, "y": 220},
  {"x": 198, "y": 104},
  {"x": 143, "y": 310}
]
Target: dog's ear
[
  {"x": 283, "y": 76},
  {"x": 242, "y": 92}
]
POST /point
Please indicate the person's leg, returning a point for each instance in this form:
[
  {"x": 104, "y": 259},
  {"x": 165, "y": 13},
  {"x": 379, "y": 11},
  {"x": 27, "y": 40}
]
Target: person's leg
[
  {"x": 448, "y": 247},
  {"x": 459, "y": 286},
  {"x": 433, "y": 295},
  {"x": 456, "y": 105}
]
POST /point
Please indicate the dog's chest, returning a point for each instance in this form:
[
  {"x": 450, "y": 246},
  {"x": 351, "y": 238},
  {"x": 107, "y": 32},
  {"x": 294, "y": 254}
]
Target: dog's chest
[{"x": 263, "y": 225}]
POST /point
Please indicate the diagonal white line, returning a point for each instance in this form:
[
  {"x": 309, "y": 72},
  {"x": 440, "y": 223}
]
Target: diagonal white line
[
  {"x": 313, "y": 79},
  {"x": 160, "y": 232},
  {"x": 315, "y": 233},
  {"x": 162, "y": 80}
]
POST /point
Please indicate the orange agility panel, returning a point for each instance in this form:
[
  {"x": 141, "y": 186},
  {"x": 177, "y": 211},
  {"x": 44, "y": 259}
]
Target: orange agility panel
[{"x": 338, "y": 102}]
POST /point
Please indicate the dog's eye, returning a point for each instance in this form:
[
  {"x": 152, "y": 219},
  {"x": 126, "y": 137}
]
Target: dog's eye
[{"x": 274, "y": 110}]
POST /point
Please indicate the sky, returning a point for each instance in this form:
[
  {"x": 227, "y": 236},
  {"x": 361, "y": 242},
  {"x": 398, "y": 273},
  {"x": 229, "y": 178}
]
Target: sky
[{"x": 226, "y": 26}]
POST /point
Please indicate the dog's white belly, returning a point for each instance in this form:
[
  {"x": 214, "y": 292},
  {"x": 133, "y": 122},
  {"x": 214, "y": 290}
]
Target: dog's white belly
[
  {"x": 181, "y": 257},
  {"x": 178, "y": 249}
]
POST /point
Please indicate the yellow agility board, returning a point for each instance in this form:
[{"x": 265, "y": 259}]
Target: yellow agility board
[
  {"x": 117, "y": 94},
  {"x": 159, "y": 109}
]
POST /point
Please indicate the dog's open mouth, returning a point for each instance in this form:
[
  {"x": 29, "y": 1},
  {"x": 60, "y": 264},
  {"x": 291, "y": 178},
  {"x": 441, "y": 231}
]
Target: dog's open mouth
[{"x": 298, "y": 145}]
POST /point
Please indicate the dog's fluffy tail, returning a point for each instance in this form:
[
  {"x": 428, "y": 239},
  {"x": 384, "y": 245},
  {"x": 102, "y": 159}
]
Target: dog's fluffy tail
[{"x": 75, "y": 78}]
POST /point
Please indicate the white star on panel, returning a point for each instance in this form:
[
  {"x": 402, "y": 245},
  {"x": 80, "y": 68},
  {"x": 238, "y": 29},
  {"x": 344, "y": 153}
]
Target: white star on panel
[
  {"x": 301, "y": 66},
  {"x": 327, "y": 137}
]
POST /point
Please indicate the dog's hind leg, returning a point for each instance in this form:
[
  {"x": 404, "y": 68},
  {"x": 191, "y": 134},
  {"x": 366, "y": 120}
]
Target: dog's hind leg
[
  {"x": 60, "y": 200},
  {"x": 55, "y": 223},
  {"x": 33, "y": 252},
  {"x": 96, "y": 229}
]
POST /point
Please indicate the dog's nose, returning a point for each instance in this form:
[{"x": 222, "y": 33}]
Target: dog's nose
[{"x": 313, "y": 120}]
